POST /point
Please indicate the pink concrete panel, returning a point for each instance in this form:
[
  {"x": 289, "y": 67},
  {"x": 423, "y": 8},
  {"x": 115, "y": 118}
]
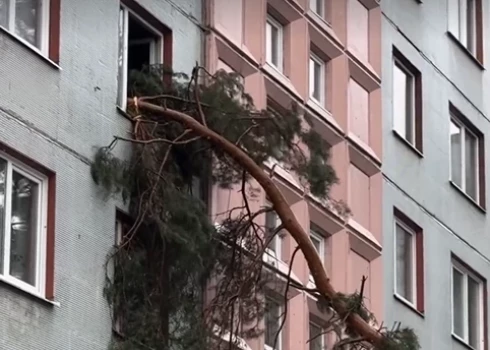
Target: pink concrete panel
[
  {"x": 255, "y": 12},
  {"x": 359, "y": 267},
  {"x": 358, "y": 29},
  {"x": 359, "y": 196},
  {"x": 337, "y": 90},
  {"x": 338, "y": 18},
  {"x": 375, "y": 206},
  {"x": 296, "y": 56},
  {"x": 375, "y": 39},
  {"x": 353, "y": 108},
  {"x": 375, "y": 122},
  {"x": 358, "y": 111},
  {"x": 228, "y": 17}
]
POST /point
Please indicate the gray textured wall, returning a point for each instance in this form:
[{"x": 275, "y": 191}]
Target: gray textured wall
[
  {"x": 420, "y": 186},
  {"x": 57, "y": 117}
]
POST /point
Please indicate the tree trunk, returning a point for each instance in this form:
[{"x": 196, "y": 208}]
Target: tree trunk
[{"x": 281, "y": 207}]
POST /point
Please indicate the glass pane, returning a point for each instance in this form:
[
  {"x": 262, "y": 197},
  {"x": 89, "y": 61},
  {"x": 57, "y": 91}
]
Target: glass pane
[
  {"x": 401, "y": 106},
  {"x": 471, "y": 172},
  {"x": 3, "y": 13},
  {"x": 24, "y": 228},
  {"x": 272, "y": 320},
  {"x": 312, "y": 78},
  {"x": 28, "y": 20},
  {"x": 315, "y": 338},
  {"x": 404, "y": 263},
  {"x": 458, "y": 303},
  {"x": 121, "y": 58},
  {"x": 456, "y": 163},
  {"x": 473, "y": 313},
  {"x": 318, "y": 81},
  {"x": 3, "y": 173},
  {"x": 270, "y": 226},
  {"x": 470, "y": 24},
  {"x": 274, "y": 46}
]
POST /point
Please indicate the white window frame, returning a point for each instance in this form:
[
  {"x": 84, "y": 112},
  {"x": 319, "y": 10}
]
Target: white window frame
[
  {"x": 464, "y": 129},
  {"x": 277, "y": 241},
  {"x": 156, "y": 50},
  {"x": 271, "y": 22},
  {"x": 314, "y": 4},
  {"x": 322, "y": 330},
  {"x": 413, "y": 243},
  {"x": 455, "y": 265},
  {"x": 43, "y": 26},
  {"x": 279, "y": 321},
  {"x": 321, "y": 239},
  {"x": 41, "y": 180},
  {"x": 312, "y": 78},
  {"x": 459, "y": 24},
  {"x": 408, "y": 100}
]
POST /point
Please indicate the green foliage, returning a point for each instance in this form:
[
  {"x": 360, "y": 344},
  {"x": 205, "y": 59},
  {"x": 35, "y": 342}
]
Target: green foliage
[{"x": 172, "y": 252}]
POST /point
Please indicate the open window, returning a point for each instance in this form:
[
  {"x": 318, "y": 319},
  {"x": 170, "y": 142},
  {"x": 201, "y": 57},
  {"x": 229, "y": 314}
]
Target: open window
[{"x": 140, "y": 44}]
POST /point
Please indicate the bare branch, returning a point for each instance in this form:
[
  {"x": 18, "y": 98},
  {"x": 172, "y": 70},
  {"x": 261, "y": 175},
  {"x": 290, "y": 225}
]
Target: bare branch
[{"x": 281, "y": 207}]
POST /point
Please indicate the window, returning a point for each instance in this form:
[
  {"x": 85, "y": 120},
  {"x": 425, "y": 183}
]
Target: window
[
  {"x": 271, "y": 224},
  {"x": 319, "y": 242},
  {"x": 316, "y": 337},
  {"x": 407, "y": 100},
  {"x": 140, "y": 45},
  {"x": 29, "y": 21},
  {"x": 23, "y": 227},
  {"x": 272, "y": 319},
  {"x": 466, "y": 148},
  {"x": 409, "y": 261},
  {"x": 462, "y": 22},
  {"x": 274, "y": 43},
  {"x": 318, "y": 6},
  {"x": 317, "y": 79},
  {"x": 405, "y": 262},
  {"x": 467, "y": 305}
]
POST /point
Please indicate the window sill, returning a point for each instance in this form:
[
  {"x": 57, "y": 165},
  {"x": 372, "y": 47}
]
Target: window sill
[
  {"x": 32, "y": 48},
  {"x": 466, "y": 51},
  {"x": 461, "y": 341},
  {"x": 28, "y": 292},
  {"x": 408, "y": 304},
  {"x": 408, "y": 144},
  {"x": 475, "y": 203}
]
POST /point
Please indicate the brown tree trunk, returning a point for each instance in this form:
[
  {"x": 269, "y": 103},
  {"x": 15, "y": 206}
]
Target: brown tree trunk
[{"x": 281, "y": 207}]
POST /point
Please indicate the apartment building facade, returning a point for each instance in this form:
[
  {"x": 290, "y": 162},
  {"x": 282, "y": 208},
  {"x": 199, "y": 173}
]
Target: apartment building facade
[
  {"x": 435, "y": 135},
  {"x": 63, "y": 73},
  {"x": 326, "y": 57}
]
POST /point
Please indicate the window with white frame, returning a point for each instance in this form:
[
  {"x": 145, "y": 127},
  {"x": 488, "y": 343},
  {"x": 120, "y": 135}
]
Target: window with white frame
[
  {"x": 23, "y": 221},
  {"x": 272, "y": 222},
  {"x": 274, "y": 43},
  {"x": 318, "y": 6},
  {"x": 272, "y": 322},
  {"x": 467, "y": 306},
  {"x": 140, "y": 45},
  {"x": 464, "y": 158},
  {"x": 318, "y": 241},
  {"x": 316, "y": 337},
  {"x": 317, "y": 79},
  {"x": 405, "y": 271},
  {"x": 404, "y": 102},
  {"x": 28, "y": 20},
  {"x": 462, "y": 22}
]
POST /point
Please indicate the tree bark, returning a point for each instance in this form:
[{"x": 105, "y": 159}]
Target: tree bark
[{"x": 282, "y": 209}]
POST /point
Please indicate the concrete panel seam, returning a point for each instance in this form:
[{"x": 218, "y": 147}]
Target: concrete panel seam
[
  {"x": 437, "y": 69},
  {"x": 25, "y": 123},
  {"x": 435, "y": 218}
]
